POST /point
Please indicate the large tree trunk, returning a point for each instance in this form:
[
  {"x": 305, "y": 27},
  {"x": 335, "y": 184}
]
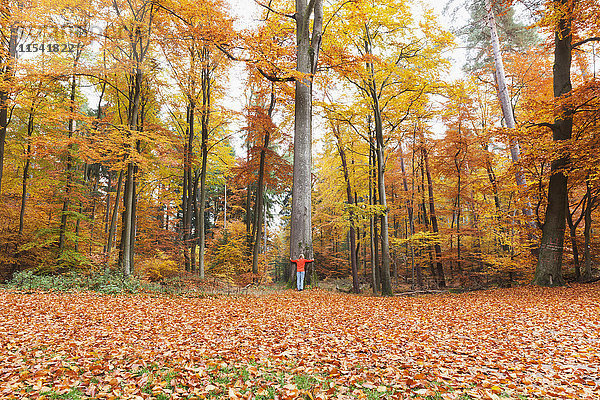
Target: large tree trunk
[
  {"x": 386, "y": 282},
  {"x": 307, "y": 52},
  {"x": 127, "y": 228},
  {"x": 548, "y": 271},
  {"x": 7, "y": 76},
  {"x": 505, "y": 104}
]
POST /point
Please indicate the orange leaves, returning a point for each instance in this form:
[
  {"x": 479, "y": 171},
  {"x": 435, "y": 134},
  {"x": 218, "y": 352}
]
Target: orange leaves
[{"x": 491, "y": 345}]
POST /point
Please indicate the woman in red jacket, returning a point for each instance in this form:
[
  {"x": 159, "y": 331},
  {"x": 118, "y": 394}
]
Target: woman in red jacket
[{"x": 300, "y": 272}]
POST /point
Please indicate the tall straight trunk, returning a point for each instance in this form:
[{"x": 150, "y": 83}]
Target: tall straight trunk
[
  {"x": 205, "y": 126},
  {"x": 494, "y": 182},
  {"x": 113, "y": 221},
  {"x": 26, "y": 170},
  {"x": 196, "y": 211},
  {"x": 411, "y": 218},
  {"x": 457, "y": 213},
  {"x": 434, "y": 224},
  {"x": 93, "y": 212},
  {"x": 426, "y": 219},
  {"x": 548, "y": 271},
  {"x": 7, "y": 77},
  {"x": 307, "y": 53},
  {"x": 386, "y": 282},
  {"x": 372, "y": 222},
  {"x": 350, "y": 200},
  {"x": 586, "y": 275},
  {"x": 68, "y": 169},
  {"x": 97, "y": 169},
  {"x": 107, "y": 211},
  {"x": 192, "y": 191},
  {"x": 260, "y": 184},
  {"x": 128, "y": 228},
  {"x": 126, "y": 223},
  {"x": 505, "y": 104},
  {"x": 185, "y": 198},
  {"x": 133, "y": 226}
]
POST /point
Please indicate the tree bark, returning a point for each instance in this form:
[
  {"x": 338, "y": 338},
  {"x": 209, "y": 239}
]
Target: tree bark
[
  {"x": 307, "y": 53},
  {"x": 548, "y": 271},
  {"x": 350, "y": 200},
  {"x": 411, "y": 218},
  {"x": 434, "y": 224},
  {"x": 505, "y": 103},
  {"x": 68, "y": 168},
  {"x": 386, "y": 283},
  {"x": 26, "y": 170},
  {"x": 586, "y": 275},
  {"x": 205, "y": 129},
  {"x": 127, "y": 228},
  {"x": 260, "y": 184},
  {"x": 113, "y": 221}
]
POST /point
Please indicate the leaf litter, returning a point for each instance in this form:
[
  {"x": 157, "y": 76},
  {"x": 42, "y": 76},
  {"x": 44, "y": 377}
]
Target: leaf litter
[{"x": 530, "y": 343}]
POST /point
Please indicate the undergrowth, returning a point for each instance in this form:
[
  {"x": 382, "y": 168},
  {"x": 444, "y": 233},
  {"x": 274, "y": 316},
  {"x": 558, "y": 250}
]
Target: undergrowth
[{"x": 102, "y": 282}]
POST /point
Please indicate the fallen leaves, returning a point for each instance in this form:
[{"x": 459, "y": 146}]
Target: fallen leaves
[{"x": 535, "y": 343}]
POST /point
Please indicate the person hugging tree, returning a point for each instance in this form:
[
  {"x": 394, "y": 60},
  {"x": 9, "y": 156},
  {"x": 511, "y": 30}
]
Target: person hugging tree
[{"x": 300, "y": 271}]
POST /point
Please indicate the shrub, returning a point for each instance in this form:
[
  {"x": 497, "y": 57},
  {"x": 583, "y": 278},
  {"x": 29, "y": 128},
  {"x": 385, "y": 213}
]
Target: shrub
[{"x": 158, "y": 268}]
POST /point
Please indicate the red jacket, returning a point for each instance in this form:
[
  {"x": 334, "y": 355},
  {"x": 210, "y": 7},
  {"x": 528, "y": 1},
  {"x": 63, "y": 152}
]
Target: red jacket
[{"x": 300, "y": 263}]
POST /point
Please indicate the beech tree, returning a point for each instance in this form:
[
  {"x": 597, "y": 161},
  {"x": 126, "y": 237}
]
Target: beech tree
[
  {"x": 549, "y": 266},
  {"x": 308, "y": 45}
]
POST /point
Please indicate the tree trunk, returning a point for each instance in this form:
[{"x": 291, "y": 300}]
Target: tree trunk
[
  {"x": 107, "y": 211},
  {"x": 205, "y": 126},
  {"x": 113, "y": 221},
  {"x": 548, "y": 271},
  {"x": 505, "y": 104},
  {"x": 350, "y": 200},
  {"x": 185, "y": 198},
  {"x": 410, "y": 212},
  {"x": 260, "y": 184},
  {"x": 5, "y": 93},
  {"x": 26, "y": 171},
  {"x": 307, "y": 52},
  {"x": 68, "y": 169},
  {"x": 434, "y": 224},
  {"x": 386, "y": 283},
  {"x": 573, "y": 236},
  {"x": 127, "y": 228},
  {"x": 586, "y": 275}
]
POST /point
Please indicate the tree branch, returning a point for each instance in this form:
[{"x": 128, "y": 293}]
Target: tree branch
[
  {"x": 591, "y": 39},
  {"x": 268, "y": 7}
]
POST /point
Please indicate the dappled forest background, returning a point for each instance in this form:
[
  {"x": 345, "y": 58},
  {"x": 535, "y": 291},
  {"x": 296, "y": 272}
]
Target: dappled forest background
[{"x": 122, "y": 149}]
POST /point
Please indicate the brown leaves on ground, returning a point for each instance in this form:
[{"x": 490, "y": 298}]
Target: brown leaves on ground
[{"x": 517, "y": 343}]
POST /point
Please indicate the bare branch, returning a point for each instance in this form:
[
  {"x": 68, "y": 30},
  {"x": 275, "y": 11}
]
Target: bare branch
[
  {"x": 591, "y": 39},
  {"x": 268, "y": 7}
]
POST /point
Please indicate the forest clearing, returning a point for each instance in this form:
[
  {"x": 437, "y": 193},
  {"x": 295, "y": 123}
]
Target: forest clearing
[{"x": 523, "y": 343}]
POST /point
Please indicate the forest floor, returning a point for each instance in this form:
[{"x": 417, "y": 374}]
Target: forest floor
[{"x": 523, "y": 343}]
